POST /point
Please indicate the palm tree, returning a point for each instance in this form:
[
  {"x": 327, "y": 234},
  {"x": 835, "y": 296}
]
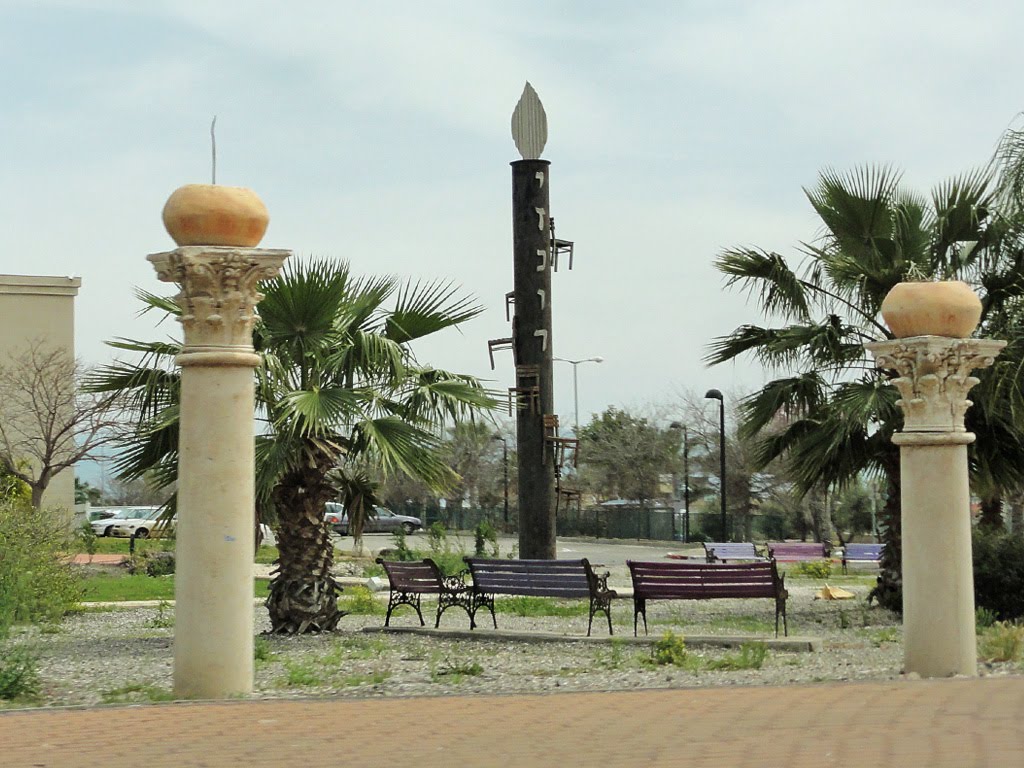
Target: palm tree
[
  {"x": 339, "y": 387},
  {"x": 832, "y": 417}
]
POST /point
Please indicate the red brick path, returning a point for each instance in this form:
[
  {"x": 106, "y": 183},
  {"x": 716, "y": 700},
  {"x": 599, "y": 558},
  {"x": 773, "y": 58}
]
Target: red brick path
[{"x": 932, "y": 724}]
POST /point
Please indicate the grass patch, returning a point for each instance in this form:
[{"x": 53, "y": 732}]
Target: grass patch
[
  {"x": 456, "y": 671},
  {"x": 540, "y": 606},
  {"x": 352, "y": 648},
  {"x": 376, "y": 677},
  {"x": 300, "y": 674},
  {"x": 261, "y": 651},
  {"x": 115, "y": 587},
  {"x": 612, "y": 658},
  {"x": 360, "y": 600},
  {"x": 670, "y": 650},
  {"x": 266, "y": 554},
  {"x": 164, "y": 618},
  {"x": 136, "y": 692},
  {"x": 750, "y": 656},
  {"x": 887, "y": 635}
]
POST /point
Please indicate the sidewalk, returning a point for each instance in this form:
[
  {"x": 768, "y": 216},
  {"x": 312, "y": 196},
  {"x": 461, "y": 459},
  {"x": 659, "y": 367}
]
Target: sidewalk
[{"x": 933, "y": 724}]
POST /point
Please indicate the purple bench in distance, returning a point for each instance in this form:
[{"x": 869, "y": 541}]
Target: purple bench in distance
[
  {"x": 862, "y": 553},
  {"x": 797, "y": 551},
  {"x": 724, "y": 551}
]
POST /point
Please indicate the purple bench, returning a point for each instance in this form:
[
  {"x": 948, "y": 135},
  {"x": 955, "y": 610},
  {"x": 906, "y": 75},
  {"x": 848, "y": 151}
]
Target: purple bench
[
  {"x": 706, "y": 581},
  {"x": 797, "y": 551}
]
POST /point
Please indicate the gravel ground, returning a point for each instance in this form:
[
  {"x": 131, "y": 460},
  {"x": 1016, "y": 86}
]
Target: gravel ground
[{"x": 124, "y": 654}]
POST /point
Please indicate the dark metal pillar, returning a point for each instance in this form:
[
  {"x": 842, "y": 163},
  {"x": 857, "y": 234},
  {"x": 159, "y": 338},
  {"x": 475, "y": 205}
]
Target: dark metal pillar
[{"x": 531, "y": 332}]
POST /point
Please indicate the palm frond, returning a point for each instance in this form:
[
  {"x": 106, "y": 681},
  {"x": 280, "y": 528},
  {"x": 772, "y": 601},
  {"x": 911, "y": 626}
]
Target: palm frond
[
  {"x": 426, "y": 308},
  {"x": 768, "y": 276}
]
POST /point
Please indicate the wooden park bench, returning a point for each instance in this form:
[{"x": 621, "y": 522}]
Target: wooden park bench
[
  {"x": 706, "y": 581},
  {"x": 862, "y": 553},
  {"x": 797, "y": 551},
  {"x": 538, "y": 578},
  {"x": 409, "y": 581},
  {"x": 724, "y": 551}
]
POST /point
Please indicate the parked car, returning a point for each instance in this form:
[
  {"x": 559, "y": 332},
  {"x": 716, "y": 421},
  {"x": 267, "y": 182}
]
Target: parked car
[
  {"x": 382, "y": 520},
  {"x": 145, "y": 524},
  {"x": 105, "y": 526}
]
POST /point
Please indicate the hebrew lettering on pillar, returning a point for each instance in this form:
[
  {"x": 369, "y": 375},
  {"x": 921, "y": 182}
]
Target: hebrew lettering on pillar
[
  {"x": 934, "y": 376},
  {"x": 218, "y": 290}
]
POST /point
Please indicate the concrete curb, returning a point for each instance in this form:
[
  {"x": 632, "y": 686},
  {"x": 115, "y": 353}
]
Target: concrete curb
[{"x": 795, "y": 643}]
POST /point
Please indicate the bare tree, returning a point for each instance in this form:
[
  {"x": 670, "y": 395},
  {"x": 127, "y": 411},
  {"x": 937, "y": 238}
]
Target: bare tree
[{"x": 47, "y": 423}]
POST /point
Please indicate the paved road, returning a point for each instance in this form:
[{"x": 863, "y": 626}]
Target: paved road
[
  {"x": 608, "y": 552},
  {"x": 906, "y": 724}
]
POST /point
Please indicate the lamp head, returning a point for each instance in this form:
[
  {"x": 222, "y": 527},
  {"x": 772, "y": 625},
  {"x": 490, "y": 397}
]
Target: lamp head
[
  {"x": 598, "y": 359},
  {"x": 714, "y": 394}
]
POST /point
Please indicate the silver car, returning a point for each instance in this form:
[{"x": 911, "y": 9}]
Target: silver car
[{"x": 382, "y": 520}]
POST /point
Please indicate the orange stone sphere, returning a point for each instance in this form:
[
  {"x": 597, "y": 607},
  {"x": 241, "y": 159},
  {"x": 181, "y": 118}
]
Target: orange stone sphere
[
  {"x": 947, "y": 308},
  {"x": 210, "y": 214}
]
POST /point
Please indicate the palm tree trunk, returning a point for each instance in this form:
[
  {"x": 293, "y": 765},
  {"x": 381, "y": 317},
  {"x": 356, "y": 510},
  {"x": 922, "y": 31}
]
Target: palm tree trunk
[
  {"x": 991, "y": 517},
  {"x": 303, "y": 594},
  {"x": 888, "y": 590}
]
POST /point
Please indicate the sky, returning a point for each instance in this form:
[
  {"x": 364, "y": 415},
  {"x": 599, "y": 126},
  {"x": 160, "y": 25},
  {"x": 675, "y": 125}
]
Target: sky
[{"x": 379, "y": 133}]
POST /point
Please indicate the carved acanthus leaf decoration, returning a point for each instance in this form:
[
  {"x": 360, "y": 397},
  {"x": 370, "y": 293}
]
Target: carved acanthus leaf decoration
[{"x": 934, "y": 377}]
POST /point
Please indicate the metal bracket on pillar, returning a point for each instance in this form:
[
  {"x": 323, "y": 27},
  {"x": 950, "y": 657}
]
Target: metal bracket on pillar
[
  {"x": 510, "y": 300},
  {"x": 559, "y": 247},
  {"x": 495, "y": 345}
]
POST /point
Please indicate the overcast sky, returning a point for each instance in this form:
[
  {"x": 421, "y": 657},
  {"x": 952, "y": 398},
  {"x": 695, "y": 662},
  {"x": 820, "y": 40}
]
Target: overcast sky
[{"x": 379, "y": 133}]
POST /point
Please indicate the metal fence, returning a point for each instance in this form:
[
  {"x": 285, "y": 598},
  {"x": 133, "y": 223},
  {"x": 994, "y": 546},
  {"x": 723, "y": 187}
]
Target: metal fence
[{"x": 656, "y": 524}]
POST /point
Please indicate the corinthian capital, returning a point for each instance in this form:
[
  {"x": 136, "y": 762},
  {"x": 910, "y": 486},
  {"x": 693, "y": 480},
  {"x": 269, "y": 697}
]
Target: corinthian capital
[
  {"x": 934, "y": 376},
  {"x": 218, "y": 290}
]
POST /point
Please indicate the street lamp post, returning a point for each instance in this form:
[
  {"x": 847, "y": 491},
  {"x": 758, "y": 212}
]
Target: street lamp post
[
  {"x": 575, "y": 386},
  {"x": 686, "y": 478},
  {"x": 714, "y": 394},
  {"x": 504, "y": 462}
]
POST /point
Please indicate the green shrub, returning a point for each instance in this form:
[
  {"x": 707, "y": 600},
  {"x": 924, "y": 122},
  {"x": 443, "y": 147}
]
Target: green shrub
[
  {"x": 1003, "y": 641},
  {"x": 360, "y": 600},
  {"x": 999, "y": 573},
  {"x": 437, "y": 537},
  {"x": 87, "y": 538},
  {"x": 984, "y": 618},
  {"x": 401, "y": 550},
  {"x": 485, "y": 534},
  {"x": 671, "y": 650},
  {"x": 19, "y": 674},
  {"x": 37, "y": 584},
  {"x": 152, "y": 563},
  {"x": 815, "y": 569}
]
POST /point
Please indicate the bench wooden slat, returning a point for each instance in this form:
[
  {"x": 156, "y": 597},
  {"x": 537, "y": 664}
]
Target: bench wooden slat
[
  {"x": 538, "y": 578},
  {"x": 705, "y": 581}
]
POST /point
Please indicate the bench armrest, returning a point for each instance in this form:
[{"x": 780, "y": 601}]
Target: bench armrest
[{"x": 456, "y": 582}]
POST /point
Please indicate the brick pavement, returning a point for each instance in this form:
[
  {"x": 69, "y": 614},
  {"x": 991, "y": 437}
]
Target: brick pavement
[{"x": 931, "y": 723}]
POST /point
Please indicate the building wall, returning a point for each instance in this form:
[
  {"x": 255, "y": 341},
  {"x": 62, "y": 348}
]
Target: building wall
[{"x": 40, "y": 310}]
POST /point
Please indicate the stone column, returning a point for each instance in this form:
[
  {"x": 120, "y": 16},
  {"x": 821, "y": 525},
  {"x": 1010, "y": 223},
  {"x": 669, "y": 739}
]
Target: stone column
[
  {"x": 213, "y": 626},
  {"x": 933, "y": 378}
]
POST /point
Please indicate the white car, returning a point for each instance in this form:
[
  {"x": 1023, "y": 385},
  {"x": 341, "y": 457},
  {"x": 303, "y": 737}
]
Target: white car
[
  {"x": 143, "y": 524},
  {"x": 105, "y": 526}
]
